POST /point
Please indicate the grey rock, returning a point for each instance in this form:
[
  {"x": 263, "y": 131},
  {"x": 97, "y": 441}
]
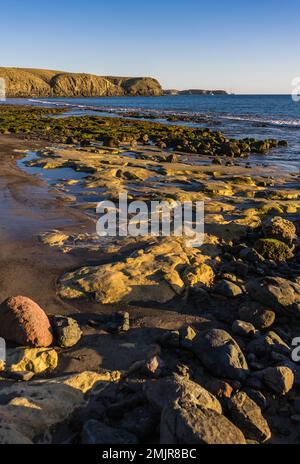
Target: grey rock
[
  {"x": 242, "y": 328},
  {"x": 95, "y": 433},
  {"x": 280, "y": 294},
  {"x": 66, "y": 331},
  {"x": 268, "y": 343},
  {"x": 141, "y": 421},
  {"x": 258, "y": 397},
  {"x": 227, "y": 288},
  {"x": 295, "y": 368},
  {"x": 163, "y": 392},
  {"x": 247, "y": 416},
  {"x": 221, "y": 354},
  {"x": 279, "y": 379},
  {"x": 190, "y": 424},
  {"x": 257, "y": 315}
]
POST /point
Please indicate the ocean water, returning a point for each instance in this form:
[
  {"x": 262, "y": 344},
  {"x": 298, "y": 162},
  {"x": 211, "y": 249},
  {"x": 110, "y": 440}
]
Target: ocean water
[{"x": 259, "y": 116}]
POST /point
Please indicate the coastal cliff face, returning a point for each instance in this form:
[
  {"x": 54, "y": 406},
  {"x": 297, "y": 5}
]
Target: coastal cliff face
[{"x": 35, "y": 83}]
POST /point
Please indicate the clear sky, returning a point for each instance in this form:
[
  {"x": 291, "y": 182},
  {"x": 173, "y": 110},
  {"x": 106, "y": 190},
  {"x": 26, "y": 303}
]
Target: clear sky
[{"x": 241, "y": 46}]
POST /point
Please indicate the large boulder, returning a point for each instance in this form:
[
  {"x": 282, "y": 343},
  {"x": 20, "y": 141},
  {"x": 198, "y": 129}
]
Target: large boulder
[
  {"x": 23, "y": 322},
  {"x": 246, "y": 414},
  {"x": 34, "y": 409},
  {"x": 279, "y": 228},
  {"x": 187, "y": 423},
  {"x": 282, "y": 295},
  {"x": 163, "y": 392},
  {"x": 221, "y": 354}
]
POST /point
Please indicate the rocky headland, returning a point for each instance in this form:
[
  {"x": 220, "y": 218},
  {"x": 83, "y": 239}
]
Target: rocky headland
[{"x": 42, "y": 83}]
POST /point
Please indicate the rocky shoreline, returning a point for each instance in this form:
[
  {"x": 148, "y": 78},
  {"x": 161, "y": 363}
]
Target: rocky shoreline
[{"x": 165, "y": 344}]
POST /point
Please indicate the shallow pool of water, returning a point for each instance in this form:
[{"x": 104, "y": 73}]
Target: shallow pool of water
[{"x": 51, "y": 175}]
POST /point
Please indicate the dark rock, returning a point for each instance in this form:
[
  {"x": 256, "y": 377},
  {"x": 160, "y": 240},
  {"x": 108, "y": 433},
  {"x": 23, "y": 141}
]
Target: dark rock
[
  {"x": 257, "y": 315},
  {"x": 25, "y": 376},
  {"x": 119, "y": 322},
  {"x": 190, "y": 424},
  {"x": 279, "y": 379},
  {"x": 273, "y": 249},
  {"x": 141, "y": 421},
  {"x": 227, "y": 288},
  {"x": 163, "y": 392},
  {"x": 97, "y": 433},
  {"x": 247, "y": 416},
  {"x": 242, "y": 328},
  {"x": 221, "y": 354},
  {"x": 219, "y": 388},
  {"x": 257, "y": 397},
  {"x": 23, "y": 322},
  {"x": 65, "y": 330},
  {"x": 280, "y": 294},
  {"x": 111, "y": 142},
  {"x": 268, "y": 343}
]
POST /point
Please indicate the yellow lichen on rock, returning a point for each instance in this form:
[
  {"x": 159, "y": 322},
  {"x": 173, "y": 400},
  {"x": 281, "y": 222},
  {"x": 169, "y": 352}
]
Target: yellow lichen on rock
[{"x": 35, "y": 360}]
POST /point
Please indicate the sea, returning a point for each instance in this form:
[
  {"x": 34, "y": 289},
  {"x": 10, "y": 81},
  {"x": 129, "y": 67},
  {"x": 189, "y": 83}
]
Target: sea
[{"x": 238, "y": 116}]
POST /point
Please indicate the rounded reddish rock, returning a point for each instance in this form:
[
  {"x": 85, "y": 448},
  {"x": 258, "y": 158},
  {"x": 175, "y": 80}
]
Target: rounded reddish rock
[{"x": 23, "y": 321}]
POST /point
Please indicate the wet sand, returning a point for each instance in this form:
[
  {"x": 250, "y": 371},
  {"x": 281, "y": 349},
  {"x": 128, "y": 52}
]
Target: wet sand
[{"x": 28, "y": 267}]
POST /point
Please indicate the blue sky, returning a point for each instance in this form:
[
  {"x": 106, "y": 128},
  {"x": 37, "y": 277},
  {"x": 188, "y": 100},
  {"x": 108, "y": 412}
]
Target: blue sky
[{"x": 240, "y": 46}]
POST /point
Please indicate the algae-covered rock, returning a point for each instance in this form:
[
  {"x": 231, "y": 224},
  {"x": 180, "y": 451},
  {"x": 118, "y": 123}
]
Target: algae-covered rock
[
  {"x": 271, "y": 248},
  {"x": 152, "y": 274},
  {"x": 279, "y": 228}
]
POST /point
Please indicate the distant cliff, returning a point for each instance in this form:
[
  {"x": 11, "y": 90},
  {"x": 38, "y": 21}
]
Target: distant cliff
[
  {"x": 42, "y": 83},
  {"x": 194, "y": 92}
]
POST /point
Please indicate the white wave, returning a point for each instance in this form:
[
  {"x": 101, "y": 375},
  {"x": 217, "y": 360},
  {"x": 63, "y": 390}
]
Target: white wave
[{"x": 276, "y": 122}]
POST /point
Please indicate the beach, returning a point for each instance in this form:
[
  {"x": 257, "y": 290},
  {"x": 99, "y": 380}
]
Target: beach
[{"x": 154, "y": 313}]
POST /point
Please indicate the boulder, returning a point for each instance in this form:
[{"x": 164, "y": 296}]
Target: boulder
[
  {"x": 163, "y": 392},
  {"x": 66, "y": 331},
  {"x": 260, "y": 317},
  {"x": 140, "y": 421},
  {"x": 247, "y": 415},
  {"x": 34, "y": 409},
  {"x": 267, "y": 344},
  {"x": 221, "y": 354},
  {"x": 282, "y": 295},
  {"x": 279, "y": 379},
  {"x": 187, "y": 423},
  {"x": 242, "y": 328},
  {"x": 95, "y": 433},
  {"x": 279, "y": 228},
  {"x": 273, "y": 249},
  {"x": 23, "y": 322},
  {"x": 34, "y": 360},
  {"x": 227, "y": 288}
]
